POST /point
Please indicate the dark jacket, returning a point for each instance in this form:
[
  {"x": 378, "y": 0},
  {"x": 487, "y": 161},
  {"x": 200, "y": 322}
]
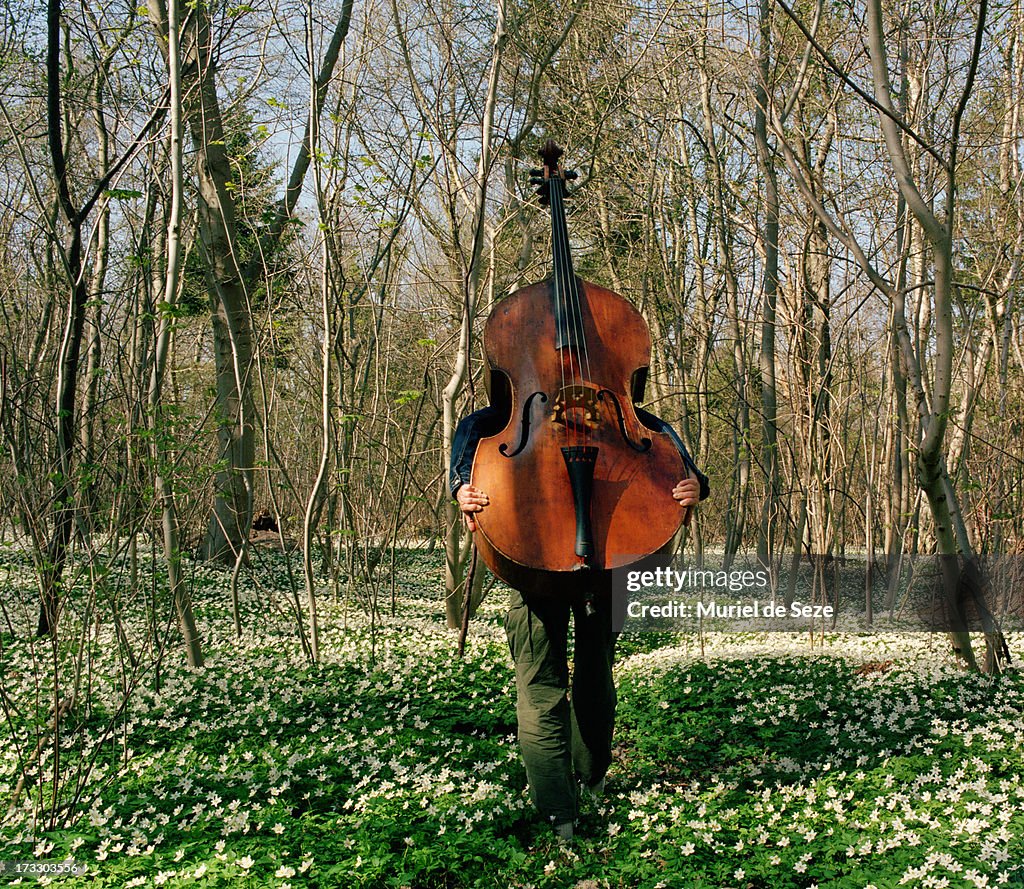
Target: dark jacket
[{"x": 489, "y": 421}]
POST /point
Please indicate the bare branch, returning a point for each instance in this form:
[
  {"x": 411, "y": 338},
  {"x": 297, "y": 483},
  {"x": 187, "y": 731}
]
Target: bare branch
[
  {"x": 891, "y": 127},
  {"x": 842, "y": 75}
]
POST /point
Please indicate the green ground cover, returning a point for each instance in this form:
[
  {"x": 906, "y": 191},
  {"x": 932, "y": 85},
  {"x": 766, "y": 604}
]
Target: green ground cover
[{"x": 753, "y": 761}]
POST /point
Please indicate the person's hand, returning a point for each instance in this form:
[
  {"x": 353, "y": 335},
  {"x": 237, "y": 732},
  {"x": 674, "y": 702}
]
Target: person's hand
[
  {"x": 687, "y": 492},
  {"x": 471, "y": 500}
]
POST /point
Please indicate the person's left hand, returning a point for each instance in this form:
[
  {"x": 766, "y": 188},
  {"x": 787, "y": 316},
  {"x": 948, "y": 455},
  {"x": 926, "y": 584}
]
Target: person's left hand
[
  {"x": 471, "y": 500},
  {"x": 687, "y": 492}
]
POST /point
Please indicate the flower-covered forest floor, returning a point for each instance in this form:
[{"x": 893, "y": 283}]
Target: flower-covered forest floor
[{"x": 742, "y": 761}]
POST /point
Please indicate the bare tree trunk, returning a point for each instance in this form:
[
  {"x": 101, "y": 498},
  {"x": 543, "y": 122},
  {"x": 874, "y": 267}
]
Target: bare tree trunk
[
  {"x": 163, "y": 459},
  {"x": 706, "y": 304},
  {"x": 460, "y": 371},
  {"x": 898, "y": 501},
  {"x": 97, "y": 283},
  {"x": 932, "y": 396},
  {"x": 231, "y": 514},
  {"x": 315, "y": 499},
  {"x": 71, "y": 339},
  {"x": 229, "y": 284},
  {"x": 769, "y": 295},
  {"x": 736, "y": 518},
  {"x": 933, "y": 407}
]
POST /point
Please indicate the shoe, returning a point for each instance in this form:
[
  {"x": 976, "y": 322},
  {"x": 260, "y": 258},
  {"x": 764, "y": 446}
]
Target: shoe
[{"x": 564, "y": 830}]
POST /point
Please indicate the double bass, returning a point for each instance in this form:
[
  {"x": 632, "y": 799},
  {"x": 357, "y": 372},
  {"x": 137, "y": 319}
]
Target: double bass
[{"x": 577, "y": 483}]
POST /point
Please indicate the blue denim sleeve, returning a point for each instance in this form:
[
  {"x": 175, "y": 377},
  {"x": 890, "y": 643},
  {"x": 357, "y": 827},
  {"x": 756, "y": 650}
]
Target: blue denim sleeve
[
  {"x": 659, "y": 425},
  {"x": 479, "y": 424}
]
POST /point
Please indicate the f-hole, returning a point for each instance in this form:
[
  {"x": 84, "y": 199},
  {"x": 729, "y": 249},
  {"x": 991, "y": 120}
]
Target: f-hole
[
  {"x": 524, "y": 435},
  {"x": 645, "y": 443}
]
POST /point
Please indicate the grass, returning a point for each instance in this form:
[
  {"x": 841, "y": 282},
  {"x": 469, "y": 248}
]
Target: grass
[{"x": 754, "y": 762}]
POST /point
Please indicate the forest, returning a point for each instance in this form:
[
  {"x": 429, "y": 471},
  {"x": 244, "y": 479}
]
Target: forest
[{"x": 246, "y": 256}]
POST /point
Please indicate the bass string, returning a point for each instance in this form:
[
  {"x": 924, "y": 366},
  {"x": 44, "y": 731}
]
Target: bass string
[
  {"x": 572, "y": 309},
  {"x": 578, "y": 339},
  {"x": 558, "y": 271},
  {"x": 581, "y": 337},
  {"x": 558, "y": 247}
]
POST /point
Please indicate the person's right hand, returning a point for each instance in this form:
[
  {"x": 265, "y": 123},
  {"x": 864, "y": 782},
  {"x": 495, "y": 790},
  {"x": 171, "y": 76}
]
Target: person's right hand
[{"x": 471, "y": 500}]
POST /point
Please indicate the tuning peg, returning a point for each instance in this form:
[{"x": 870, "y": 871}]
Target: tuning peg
[{"x": 537, "y": 173}]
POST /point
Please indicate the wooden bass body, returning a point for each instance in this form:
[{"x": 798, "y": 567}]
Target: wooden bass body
[{"x": 530, "y": 534}]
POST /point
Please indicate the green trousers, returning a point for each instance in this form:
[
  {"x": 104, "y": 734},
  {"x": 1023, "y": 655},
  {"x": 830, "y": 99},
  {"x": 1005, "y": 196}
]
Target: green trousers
[{"x": 564, "y": 737}]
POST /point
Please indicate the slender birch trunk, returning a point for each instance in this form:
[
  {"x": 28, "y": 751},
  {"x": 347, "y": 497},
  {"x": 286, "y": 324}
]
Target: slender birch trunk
[
  {"x": 460, "y": 370},
  {"x": 933, "y": 406},
  {"x": 315, "y": 499},
  {"x": 769, "y": 294},
  {"x": 163, "y": 459}
]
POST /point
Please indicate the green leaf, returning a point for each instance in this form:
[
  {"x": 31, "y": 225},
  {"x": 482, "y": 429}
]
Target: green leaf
[{"x": 406, "y": 396}]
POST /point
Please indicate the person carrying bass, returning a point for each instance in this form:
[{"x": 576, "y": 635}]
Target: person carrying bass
[{"x": 562, "y": 479}]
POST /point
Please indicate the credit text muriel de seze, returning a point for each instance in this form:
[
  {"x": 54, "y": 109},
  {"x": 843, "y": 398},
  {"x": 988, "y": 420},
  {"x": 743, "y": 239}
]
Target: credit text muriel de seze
[{"x": 673, "y": 580}]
